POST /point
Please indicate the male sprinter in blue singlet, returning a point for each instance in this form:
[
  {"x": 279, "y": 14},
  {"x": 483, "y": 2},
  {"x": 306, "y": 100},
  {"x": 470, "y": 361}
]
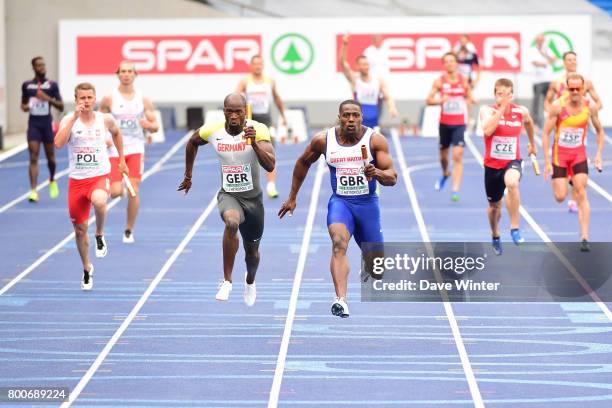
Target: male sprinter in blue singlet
[{"x": 353, "y": 208}]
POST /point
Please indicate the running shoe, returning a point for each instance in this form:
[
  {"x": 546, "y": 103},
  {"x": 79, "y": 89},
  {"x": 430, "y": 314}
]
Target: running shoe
[
  {"x": 250, "y": 293},
  {"x": 340, "y": 308},
  {"x": 455, "y": 197},
  {"x": 225, "y": 288},
  {"x": 33, "y": 197},
  {"x": 572, "y": 206},
  {"x": 497, "y": 245},
  {"x": 440, "y": 183},
  {"x": 584, "y": 246},
  {"x": 271, "y": 189},
  {"x": 53, "y": 189},
  {"x": 128, "y": 237},
  {"x": 87, "y": 281},
  {"x": 101, "y": 248},
  {"x": 516, "y": 236}
]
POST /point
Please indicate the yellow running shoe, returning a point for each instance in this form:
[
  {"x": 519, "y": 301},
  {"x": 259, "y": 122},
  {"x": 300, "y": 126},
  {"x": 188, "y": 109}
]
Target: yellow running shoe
[
  {"x": 53, "y": 189},
  {"x": 33, "y": 197}
]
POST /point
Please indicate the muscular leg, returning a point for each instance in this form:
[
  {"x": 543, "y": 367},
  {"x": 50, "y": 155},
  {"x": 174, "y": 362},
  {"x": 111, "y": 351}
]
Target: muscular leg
[
  {"x": 559, "y": 186},
  {"x": 457, "y": 167},
  {"x": 444, "y": 160},
  {"x": 50, "y": 154},
  {"x": 99, "y": 199},
  {"x": 584, "y": 209},
  {"x": 82, "y": 242},
  {"x": 133, "y": 205},
  {"x": 251, "y": 259},
  {"x": 494, "y": 215},
  {"x": 339, "y": 265},
  {"x": 230, "y": 242},
  {"x": 513, "y": 198},
  {"x": 34, "y": 149},
  {"x": 116, "y": 189}
]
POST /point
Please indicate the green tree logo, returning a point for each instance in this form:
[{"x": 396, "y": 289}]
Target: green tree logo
[
  {"x": 557, "y": 43},
  {"x": 292, "y": 53}
]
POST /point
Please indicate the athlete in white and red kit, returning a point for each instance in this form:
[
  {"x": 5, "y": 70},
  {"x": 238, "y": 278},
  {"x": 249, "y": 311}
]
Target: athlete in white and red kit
[
  {"x": 84, "y": 132},
  {"x": 502, "y": 124},
  {"x": 134, "y": 115}
]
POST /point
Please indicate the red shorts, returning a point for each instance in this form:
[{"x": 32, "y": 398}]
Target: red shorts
[
  {"x": 79, "y": 196},
  {"x": 135, "y": 164},
  {"x": 567, "y": 159}
]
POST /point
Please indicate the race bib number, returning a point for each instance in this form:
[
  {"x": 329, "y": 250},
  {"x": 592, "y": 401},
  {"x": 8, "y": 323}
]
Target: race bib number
[
  {"x": 351, "y": 181},
  {"x": 38, "y": 107},
  {"x": 454, "y": 106},
  {"x": 127, "y": 122},
  {"x": 504, "y": 148},
  {"x": 86, "y": 158},
  {"x": 260, "y": 104},
  {"x": 237, "y": 178},
  {"x": 368, "y": 96},
  {"x": 570, "y": 137}
]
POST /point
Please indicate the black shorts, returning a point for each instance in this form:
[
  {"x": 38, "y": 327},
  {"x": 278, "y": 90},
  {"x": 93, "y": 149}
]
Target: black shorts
[
  {"x": 251, "y": 213},
  {"x": 266, "y": 119},
  {"x": 40, "y": 132},
  {"x": 451, "y": 134},
  {"x": 561, "y": 172},
  {"x": 494, "y": 180}
]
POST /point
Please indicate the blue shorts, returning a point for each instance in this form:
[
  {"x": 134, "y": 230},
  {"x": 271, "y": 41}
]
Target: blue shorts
[
  {"x": 362, "y": 218},
  {"x": 370, "y": 115},
  {"x": 40, "y": 132},
  {"x": 451, "y": 134}
]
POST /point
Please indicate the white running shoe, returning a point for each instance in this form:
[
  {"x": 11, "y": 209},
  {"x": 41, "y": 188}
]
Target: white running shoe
[
  {"x": 87, "y": 281},
  {"x": 101, "y": 248},
  {"x": 271, "y": 189},
  {"x": 225, "y": 288},
  {"x": 128, "y": 237},
  {"x": 340, "y": 308},
  {"x": 250, "y": 293}
]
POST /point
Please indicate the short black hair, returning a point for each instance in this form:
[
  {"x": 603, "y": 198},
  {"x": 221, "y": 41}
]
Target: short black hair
[
  {"x": 348, "y": 102},
  {"x": 38, "y": 57}
]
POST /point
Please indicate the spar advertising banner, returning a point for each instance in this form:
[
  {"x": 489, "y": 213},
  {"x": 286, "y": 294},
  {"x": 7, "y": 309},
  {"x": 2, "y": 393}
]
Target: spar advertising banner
[{"x": 202, "y": 60}]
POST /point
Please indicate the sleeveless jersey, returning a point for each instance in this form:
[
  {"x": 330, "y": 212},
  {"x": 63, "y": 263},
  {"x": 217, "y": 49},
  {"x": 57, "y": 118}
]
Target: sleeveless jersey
[
  {"x": 259, "y": 95},
  {"x": 127, "y": 114},
  {"x": 454, "y": 110},
  {"x": 238, "y": 162},
  {"x": 346, "y": 167},
  {"x": 367, "y": 93},
  {"x": 504, "y": 145},
  {"x": 571, "y": 130},
  {"x": 87, "y": 149}
]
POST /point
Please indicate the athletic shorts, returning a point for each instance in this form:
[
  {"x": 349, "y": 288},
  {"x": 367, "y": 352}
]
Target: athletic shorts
[
  {"x": 370, "y": 114},
  {"x": 451, "y": 135},
  {"x": 251, "y": 212},
  {"x": 570, "y": 162},
  {"x": 494, "y": 180},
  {"x": 361, "y": 218},
  {"x": 79, "y": 196},
  {"x": 40, "y": 132},
  {"x": 135, "y": 164}
]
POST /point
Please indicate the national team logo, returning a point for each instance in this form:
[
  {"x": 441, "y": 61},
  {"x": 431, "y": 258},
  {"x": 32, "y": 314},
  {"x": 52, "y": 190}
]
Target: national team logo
[
  {"x": 558, "y": 44},
  {"x": 292, "y": 53}
]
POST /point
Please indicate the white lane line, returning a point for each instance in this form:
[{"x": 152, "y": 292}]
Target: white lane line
[
  {"x": 39, "y": 187},
  {"x": 590, "y": 182},
  {"x": 551, "y": 245},
  {"x": 448, "y": 308},
  {"x": 134, "y": 312},
  {"x": 295, "y": 290},
  {"x": 13, "y": 151},
  {"x": 114, "y": 202}
]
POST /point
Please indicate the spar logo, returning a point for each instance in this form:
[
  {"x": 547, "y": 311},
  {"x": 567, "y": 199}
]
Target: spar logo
[
  {"x": 205, "y": 54},
  {"x": 423, "y": 52},
  {"x": 558, "y": 44},
  {"x": 292, "y": 53}
]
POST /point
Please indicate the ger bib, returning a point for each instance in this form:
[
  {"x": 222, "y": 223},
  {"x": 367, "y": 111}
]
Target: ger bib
[
  {"x": 503, "y": 148},
  {"x": 351, "y": 181},
  {"x": 38, "y": 107},
  {"x": 237, "y": 178},
  {"x": 570, "y": 137}
]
